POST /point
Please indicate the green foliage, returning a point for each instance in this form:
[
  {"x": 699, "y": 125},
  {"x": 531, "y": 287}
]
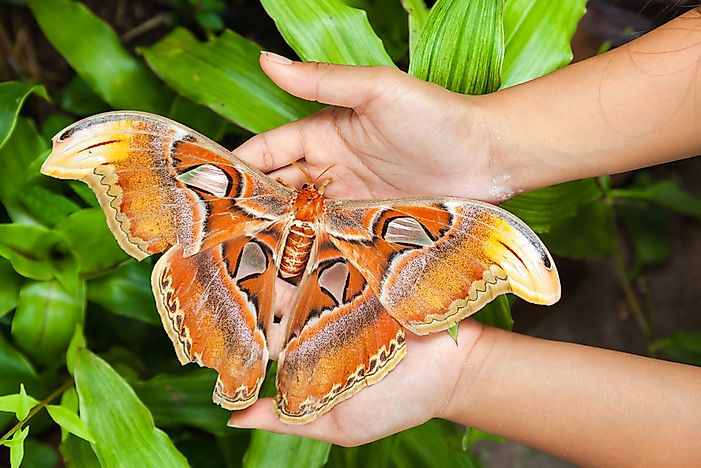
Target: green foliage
[{"x": 66, "y": 286}]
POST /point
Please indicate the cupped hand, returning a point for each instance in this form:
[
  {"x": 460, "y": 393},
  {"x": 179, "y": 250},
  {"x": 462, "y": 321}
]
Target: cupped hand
[
  {"x": 424, "y": 385},
  {"x": 386, "y": 134}
]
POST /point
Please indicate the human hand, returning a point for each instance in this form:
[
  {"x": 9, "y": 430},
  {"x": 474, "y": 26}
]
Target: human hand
[
  {"x": 391, "y": 135},
  {"x": 421, "y": 387}
]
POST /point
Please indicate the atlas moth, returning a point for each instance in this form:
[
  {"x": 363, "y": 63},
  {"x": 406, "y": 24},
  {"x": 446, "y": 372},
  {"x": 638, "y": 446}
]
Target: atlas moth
[{"x": 368, "y": 271}]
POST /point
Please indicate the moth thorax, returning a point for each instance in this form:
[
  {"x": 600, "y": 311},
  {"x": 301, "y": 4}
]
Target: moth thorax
[{"x": 297, "y": 247}]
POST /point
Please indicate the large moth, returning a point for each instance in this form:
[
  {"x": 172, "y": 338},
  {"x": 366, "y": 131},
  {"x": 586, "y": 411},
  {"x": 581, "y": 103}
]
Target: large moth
[{"x": 367, "y": 270}]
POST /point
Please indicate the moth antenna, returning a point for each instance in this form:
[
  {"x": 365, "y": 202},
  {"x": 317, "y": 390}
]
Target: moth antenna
[
  {"x": 324, "y": 184},
  {"x": 304, "y": 171},
  {"x": 282, "y": 182},
  {"x": 322, "y": 173}
]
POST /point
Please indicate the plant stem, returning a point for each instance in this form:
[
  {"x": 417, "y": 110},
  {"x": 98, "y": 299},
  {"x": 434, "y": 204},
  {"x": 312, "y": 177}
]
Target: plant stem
[{"x": 42, "y": 404}]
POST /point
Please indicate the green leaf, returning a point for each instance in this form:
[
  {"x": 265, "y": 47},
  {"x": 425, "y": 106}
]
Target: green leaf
[
  {"x": 121, "y": 425},
  {"x": 664, "y": 193},
  {"x": 77, "y": 453},
  {"x": 13, "y": 362},
  {"x": 684, "y": 346},
  {"x": 373, "y": 455},
  {"x": 435, "y": 443},
  {"x": 84, "y": 192},
  {"x": 69, "y": 421},
  {"x": 69, "y": 400},
  {"x": 46, "y": 318},
  {"x": 95, "y": 52},
  {"x": 223, "y": 74},
  {"x": 543, "y": 208},
  {"x": 127, "y": 292},
  {"x": 16, "y": 445},
  {"x": 12, "y": 97},
  {"x": 184, "y": 399},
  {"x": 18, "y": 153},
  {"x": 9, "y": 292},
  {"x": 418, "y": 15},
  {"x": 91, "y": 241},
  {"x": 198, "y": 117},
  {"x": 52, "y": 125},
  {"x": 39, "y": 253},
  {"x": 18, "y": 403},
  {"x": 497, "y": 313},
  {"x": 79, "y": 99},
  {"x": 76, "y": 344},
  {"x": 648, "y": 228},
  {"x": 282, "y": 450},
  {"x": 473, "y": 435},
  {"x": 461, "y": 47},
  {"x": 36, "y": 204},
  {"x": 328, "y": 31},
  {"x": 589, "y": 234},
  {"x": 538, "y": 35}
]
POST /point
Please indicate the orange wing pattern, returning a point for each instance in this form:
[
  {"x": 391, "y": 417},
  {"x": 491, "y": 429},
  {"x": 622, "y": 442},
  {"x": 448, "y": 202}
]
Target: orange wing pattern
[
  {"x": 162, "y": 184},
  {"x": 433, "y": 262},
  {"x": 339, "y": 339},
  {"x": 375, "y": 267}
]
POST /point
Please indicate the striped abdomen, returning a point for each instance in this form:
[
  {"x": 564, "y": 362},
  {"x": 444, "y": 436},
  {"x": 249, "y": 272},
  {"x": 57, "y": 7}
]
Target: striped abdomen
[{"x": 296, "y": 253}]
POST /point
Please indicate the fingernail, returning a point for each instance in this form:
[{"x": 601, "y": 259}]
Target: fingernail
[
  {"x": 231, "y": 423},
  {"x": 273, "y": 57}
]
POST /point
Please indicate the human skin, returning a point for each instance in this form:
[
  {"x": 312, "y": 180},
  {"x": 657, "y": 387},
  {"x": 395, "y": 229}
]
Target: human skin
[{"x": 391, "y": 135}]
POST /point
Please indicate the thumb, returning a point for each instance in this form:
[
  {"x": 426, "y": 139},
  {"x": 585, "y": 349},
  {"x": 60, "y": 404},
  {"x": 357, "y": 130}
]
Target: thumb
[{"x": 338, "y": 85}]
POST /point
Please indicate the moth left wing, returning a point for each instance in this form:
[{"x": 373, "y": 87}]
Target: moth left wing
[
  {"x": 433, "y": 262},
  {"x": 216, "y": 307},
  {"x": 161, "y": 183},
  {"x": 339, "y": 339}
]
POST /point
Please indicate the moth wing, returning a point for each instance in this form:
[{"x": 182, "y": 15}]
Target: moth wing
[
  {"x": 161, "y": 183},
  {"x": 216, "y": 307},
  {"x": 433, "y": 262},
  {"x": 338, "y": 339}
]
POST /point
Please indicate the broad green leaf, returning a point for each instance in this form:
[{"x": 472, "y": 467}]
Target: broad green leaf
[
  {"x": 91, "y": 241},
  {"x": 435, "y": 443},
  {"x": 12, "y": 97},
  {"x": 84, "y": 192},
  {"x": 648, "y": 228},
  {"x": 121, "y": 425},
  {"x": 199, "y": 118},
  {"x": 77, "y": 453},
  {"x": 18, "y": 404},
  {"x": 95, "y": 52},
  {"x": 664, "y": 193},
  {"x": 127, "y": 292},
  {"x": 497, "y": 313},
  {"x": 418, "y": 15},
  {"x": 36, "y": 204},
  {"x": 76, "y": 344},
  {"x": 46, "y": 318},
  {"x": 13, "y": 362},
  {"x": 184, "y": 399},
  {"x": 69, "y": 421},
  {"x": 9, "y": 291},
  {"x": 39, "y": 455},
  {"x": 16, "y": 445},
  {"x": 79, "y": 99},
  {"x": 20, "y": 150},
  {"x": 69, "y": 400},
  {"x": 223, "y": 74},
  {"x": 388, "y": 20},
  {"x": 473, "y": 435},
  {"x": 281, "y": 450},
  {"x": 54, "y": 124},
  {"x": 538, "y": 35},
  {"x": 684, "y": 346},
  {"x": 39, "y": 253},
  {"x": 461, "y": 47},
  {"x": 328, "y": 31},
  {"x": 373, "y": 455},
  {"x": 589, "y": 234},
  {"x": 543, "y": 208}
]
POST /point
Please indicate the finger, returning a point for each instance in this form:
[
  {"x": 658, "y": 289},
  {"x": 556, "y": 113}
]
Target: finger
[
  {"x": 261, "y": 415},
  {"x": 275, "y": 148},
  {"x": 338, "y": 85}
]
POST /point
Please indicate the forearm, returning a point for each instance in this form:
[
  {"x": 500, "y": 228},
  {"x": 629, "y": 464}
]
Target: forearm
[
  {"x": 587, "y": 405},
  {"x": 632, "y": 107}
]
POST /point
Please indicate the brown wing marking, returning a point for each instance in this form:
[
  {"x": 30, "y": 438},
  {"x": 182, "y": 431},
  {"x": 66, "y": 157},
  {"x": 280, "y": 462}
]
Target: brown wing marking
[
  {"x": 339, "y": 340},
  {"x": 434, "y": 262},
  {"x": 160, "y": 183},
  {"x": 216, "y": 307}
]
